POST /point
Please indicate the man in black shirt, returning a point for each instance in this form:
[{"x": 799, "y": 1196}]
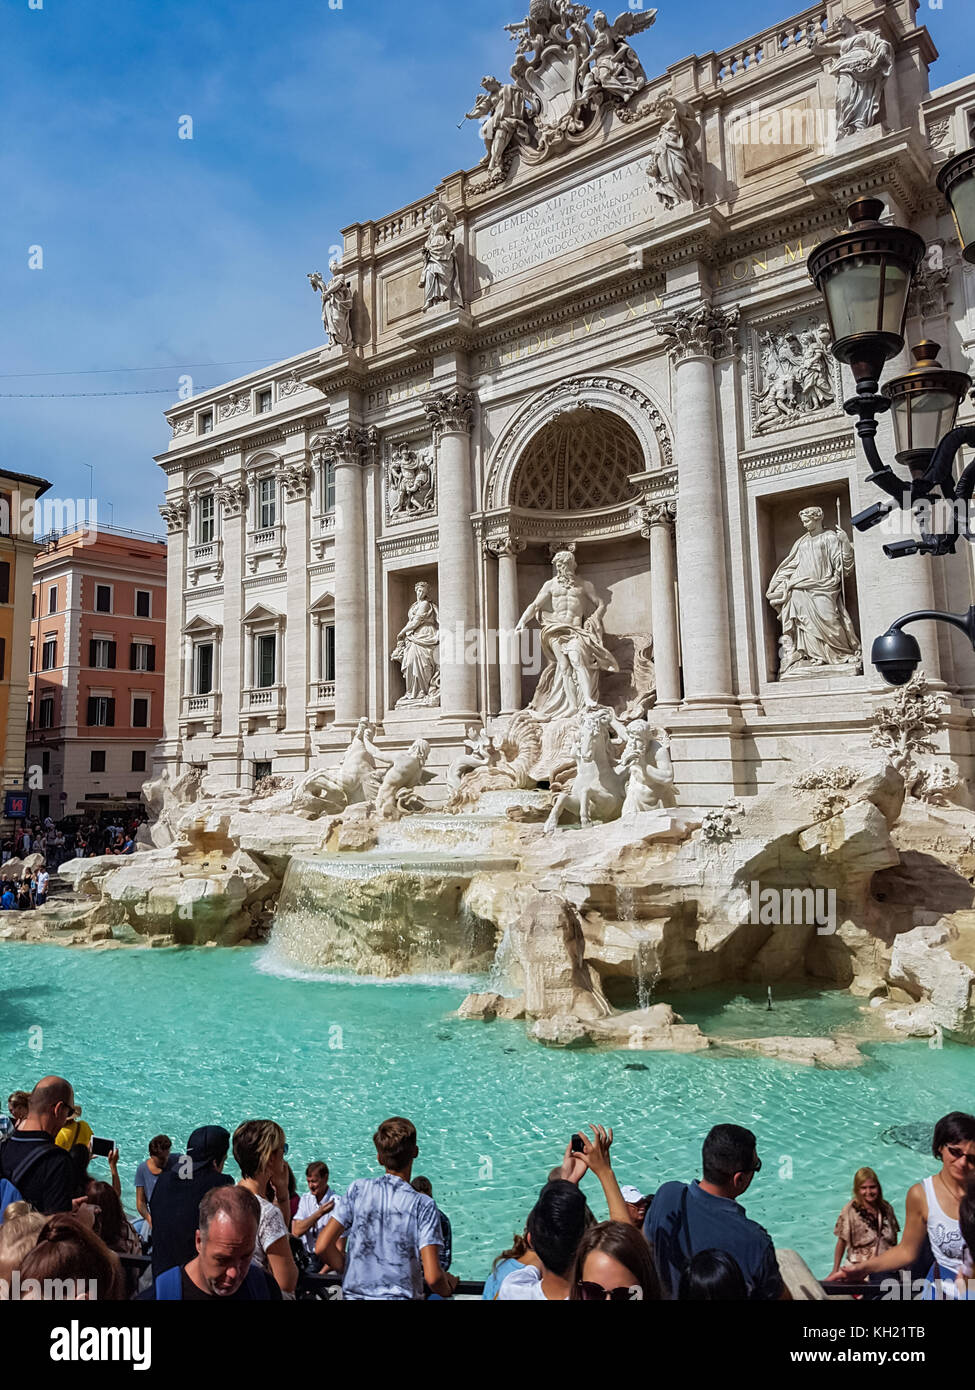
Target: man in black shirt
[
  {"x": 30, "y": 1159},
  {"x": 176, "y": 1197},
  {"x": 222, "y": 1268}
]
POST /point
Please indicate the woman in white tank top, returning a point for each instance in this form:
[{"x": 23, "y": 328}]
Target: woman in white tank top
[{"x": 932, "y": 1211}]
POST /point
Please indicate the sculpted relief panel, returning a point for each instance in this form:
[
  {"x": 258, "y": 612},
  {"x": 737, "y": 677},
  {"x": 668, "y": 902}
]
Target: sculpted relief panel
[
  {"x": 793, "y": 375},
  {"x": 410, "y": 483}
]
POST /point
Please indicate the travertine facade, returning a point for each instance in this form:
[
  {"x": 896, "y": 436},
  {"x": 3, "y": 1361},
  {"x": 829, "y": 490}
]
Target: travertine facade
[{"x": 603, "y": 338}]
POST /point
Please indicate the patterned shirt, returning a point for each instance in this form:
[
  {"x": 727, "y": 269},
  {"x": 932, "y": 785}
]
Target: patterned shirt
[
  {"x": 859, "y": 1230},
  {"x": 387, "y": 1224}
]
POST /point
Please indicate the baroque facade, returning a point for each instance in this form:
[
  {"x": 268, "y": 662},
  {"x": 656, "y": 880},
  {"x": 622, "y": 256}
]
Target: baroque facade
[{"x": 601, "y": 340}]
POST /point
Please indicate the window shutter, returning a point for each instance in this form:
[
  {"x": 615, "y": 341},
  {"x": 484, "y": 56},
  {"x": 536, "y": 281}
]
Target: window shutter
[
  {"x": 3, "y": 658},
  {"x": 92, "y": 653},
  {"x": 4, "y": 582},
  {"x": 112, "y": 654},
  {"x": 132, "y": 654},
  {"x": 110, "y": 721},
  {"x": 150, "y": 658},
  {"x": 91, "y": 711}
]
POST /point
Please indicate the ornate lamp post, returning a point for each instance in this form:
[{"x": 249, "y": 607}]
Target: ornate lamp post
[{"x": 864, "y": 276}]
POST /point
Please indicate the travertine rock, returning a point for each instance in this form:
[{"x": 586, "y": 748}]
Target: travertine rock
[{"x": 807, "y": 1052}]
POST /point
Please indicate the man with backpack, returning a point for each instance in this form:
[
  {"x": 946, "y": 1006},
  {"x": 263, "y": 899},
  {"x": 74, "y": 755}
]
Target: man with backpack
[
  {"x": 706, "y": 1215},
  {"x": 32, "y": 1167},
  {"x": 221, "y": 1268}
]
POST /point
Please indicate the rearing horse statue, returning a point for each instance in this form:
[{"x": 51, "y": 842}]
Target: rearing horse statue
[{"x": 597, "y": 790}]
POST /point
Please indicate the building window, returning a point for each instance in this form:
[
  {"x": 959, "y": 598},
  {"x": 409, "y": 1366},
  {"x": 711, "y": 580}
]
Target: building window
[
  {"x": 101, "y": 712},
  {"x": 45, "y": 712},
  {"x": 33, "y": 604},
  {"x": 263, "y": 402},
  {"x": 203, "y": 683},
  {"x": 205, "y": 521},
  {"x": 46, "y": 760},
  {"x": 261, "y": 770},
  {"x": 4, "y": 581},
  {"x": 143, "y": 603},
  {"x": 266, "y": 504},
  {"x": 49, "y": 654},
  {"x": 3, "y": 657},
  {"x": 140, "y": 712},
  {"x": 328, "y": 486},
  {"x": 30, "y": 658},
  {"x": 103, "y": 598},
  {"x": 142, "y": 656},
  {"x": 204, "y": 422},
  {"x": 102, "y": 654},
  {"x": 138, "y": 760},
  {"x": 328, "y": 652},
  {"x": 266, "y": 653},
  {"x": 97, "y": 763},
  {"x": 52, "y": 599}
]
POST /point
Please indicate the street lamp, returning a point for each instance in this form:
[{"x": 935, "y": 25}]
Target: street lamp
[{"x": 864, "y": 276}]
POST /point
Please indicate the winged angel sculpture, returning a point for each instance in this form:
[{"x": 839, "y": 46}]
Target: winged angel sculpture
[{"x": 564, "y": 70}]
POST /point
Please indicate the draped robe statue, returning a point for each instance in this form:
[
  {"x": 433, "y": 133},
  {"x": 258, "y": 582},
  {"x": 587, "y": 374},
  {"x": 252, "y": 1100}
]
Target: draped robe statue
[{"x": 807, "y": 592}]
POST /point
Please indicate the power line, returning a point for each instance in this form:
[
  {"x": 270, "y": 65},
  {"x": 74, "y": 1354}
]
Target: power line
[
  {"x": 164, "y": 367},
  {"x": 73, "y": 395}
]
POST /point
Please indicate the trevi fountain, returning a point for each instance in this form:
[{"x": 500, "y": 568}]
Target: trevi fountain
[{"x": 692, "y": 859}]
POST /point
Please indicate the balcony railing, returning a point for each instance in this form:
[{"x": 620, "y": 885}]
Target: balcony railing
[
  {"x": 263, "y": 697},
  {"x": 322, "y": 695},
  {"x": 201, "y": 706},
  {"x": 266, "y": 538}
]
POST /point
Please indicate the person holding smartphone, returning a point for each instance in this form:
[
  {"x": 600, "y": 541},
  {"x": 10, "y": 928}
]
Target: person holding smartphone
[{"x": 314, "y": 1207}]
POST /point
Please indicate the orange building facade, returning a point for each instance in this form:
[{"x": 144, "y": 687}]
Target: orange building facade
[
  {"x": 97, "y": 662},
  {"x": 18, "y": 493}
]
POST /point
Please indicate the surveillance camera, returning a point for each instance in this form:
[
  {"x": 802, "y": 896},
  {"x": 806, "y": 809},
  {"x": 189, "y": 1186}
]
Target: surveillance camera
[
  {"x": 895, "y": 550},
  {"x": 872, "y": 516},
  {"x": 896, "y": 656}
]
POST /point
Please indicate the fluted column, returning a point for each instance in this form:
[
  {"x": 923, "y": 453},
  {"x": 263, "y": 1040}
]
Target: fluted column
[
  {"x": 697, "y": 337},
  {"x": 349, "y": 449},
  {"x": 658, "y": 527},
  {"x": 451, "y": 414},
  {"x": 507, "y": 548}
]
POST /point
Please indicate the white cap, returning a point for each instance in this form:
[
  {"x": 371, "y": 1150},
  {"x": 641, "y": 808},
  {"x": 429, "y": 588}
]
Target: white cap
[{"x": 631, "y": 1194}]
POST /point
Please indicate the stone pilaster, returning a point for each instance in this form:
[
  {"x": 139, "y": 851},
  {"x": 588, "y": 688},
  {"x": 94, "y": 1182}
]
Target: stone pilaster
[
  {"x": 228, "y": 676},
  {"x": 507, "y": 548},
  {"x": 451, "y": 414},
  {"x": 696, "y": 337},
  {"x": 658, "y": 527},
  {"x": 350, "y": 448},
  {"x": 296, "y": 479},
  {"x": 175, "y": 512}
]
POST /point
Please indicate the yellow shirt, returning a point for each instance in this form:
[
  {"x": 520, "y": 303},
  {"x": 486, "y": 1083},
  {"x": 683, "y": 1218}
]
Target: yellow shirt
[{"x": 75, "y": 1132}]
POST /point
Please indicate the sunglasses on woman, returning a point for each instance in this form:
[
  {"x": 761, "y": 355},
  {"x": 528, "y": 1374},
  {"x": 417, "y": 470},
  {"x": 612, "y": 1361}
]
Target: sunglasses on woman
[
  {"x": 595, "y": 1293},
  {"x": 959, "y": 1154}
]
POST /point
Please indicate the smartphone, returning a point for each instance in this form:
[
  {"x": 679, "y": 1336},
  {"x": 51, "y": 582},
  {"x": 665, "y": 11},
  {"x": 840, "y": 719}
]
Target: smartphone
[
  {"x": 102, "y": 1147},
  {"x": 578, "y": 1143}
]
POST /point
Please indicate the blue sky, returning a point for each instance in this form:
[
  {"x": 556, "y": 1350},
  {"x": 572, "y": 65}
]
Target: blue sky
[{"x": 160, "y": 252}]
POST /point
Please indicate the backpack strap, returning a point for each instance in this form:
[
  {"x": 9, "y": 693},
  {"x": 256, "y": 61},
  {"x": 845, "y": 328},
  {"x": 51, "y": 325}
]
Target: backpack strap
[
  {"x": 18, "y": 1169},
  {"x": 169, "y": 1285},
  {"x": 685, "y": 1230}
]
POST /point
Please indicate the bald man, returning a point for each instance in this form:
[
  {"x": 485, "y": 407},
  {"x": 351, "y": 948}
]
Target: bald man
[{"x": 31, "y": 1160}]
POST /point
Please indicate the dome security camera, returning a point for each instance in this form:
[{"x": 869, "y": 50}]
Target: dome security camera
[{"x": 896, "y": 656}]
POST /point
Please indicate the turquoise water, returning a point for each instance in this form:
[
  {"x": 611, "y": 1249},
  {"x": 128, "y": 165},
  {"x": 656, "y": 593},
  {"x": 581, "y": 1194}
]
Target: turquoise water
[{"x": 162, "y": 1041}]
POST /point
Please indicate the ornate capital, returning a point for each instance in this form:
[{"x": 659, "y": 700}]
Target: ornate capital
[
  {"x": 175, "y": 514},
  {"x": 350, "y": 444},
  {"x": 296, "y": 479},
  {"x": 451, "y": 411},
  {"x": 504, "y": 543},
  {"x": 649, "y": 514},
  {"x": 232, "y": 497},
  {"x": 703, "y": 331}
]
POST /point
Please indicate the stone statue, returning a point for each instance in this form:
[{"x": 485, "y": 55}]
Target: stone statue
[
  {"x": 647, "y": 768},
  {"x": 406, "y": 773},
  {"x": 572, "y": 642},
  {"x": 862, "y": 64},
  {"x": 409, "y": 482},
  {"x": 503, "y": 112},
  {"x": 326, "y": 791},
  {"x": 480, "y": 751},
  {"x": 807, "y": 593},
  {"x": 418, "y": 651},
  {"x": 673, "y": 164},
  {"x": 616, "y": 70},
  {"x": 337, "y": 297},
  {"x": 505, "y": 767},
  {"x": 597, "y": 790},
  {"x": 440, "y": 280}
]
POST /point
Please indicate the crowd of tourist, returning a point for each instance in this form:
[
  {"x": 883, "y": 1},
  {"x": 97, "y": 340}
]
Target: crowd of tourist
[
  {"x": 28, "y": 886},
  {"x": 209, "y": 1236}
]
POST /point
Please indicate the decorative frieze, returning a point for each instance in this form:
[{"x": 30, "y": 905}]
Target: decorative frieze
[
  {"x": 184, "y": 425},
  {"x": 291, "y": 386},
  {"x": 234, "y": 405}
]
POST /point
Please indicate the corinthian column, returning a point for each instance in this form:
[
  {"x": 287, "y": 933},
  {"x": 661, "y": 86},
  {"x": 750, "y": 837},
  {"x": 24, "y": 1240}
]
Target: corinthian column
[
  {"x": 507, "y": 548},
  {"x": 698, "y": 336},
  {"x": 349, "y": 449},
  {"x": 451, "y": 413},
  {"x": 658, "y": 527}
]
